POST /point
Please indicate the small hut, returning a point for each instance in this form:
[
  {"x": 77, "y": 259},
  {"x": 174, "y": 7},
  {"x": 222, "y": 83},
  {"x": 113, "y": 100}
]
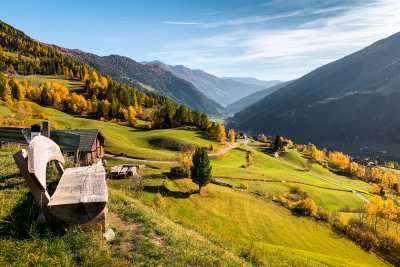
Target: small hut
[{"x": 85, "y": 145}]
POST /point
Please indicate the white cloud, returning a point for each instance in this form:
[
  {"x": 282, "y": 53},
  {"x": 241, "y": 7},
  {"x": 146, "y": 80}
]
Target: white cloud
[
  {"x": 182, "y": 22},
  {"x": 291, "y": 52}
]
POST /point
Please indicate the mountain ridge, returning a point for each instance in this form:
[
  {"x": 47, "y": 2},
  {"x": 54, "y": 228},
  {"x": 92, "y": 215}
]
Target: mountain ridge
[
  {"x": 354, "y": 93},
  {"x": 153, "y": 78},
  {"x": 223, "y": 90},
  {"x": 253, "y": 98}
]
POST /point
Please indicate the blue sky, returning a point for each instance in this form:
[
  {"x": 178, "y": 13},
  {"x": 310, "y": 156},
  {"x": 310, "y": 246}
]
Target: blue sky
[{"x": 267, "y": 39}]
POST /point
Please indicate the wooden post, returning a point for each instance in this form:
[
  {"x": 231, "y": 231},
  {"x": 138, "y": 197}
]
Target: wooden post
[
  {"x": 46, "y": 129},
  {"x": 39, "y": 193}
]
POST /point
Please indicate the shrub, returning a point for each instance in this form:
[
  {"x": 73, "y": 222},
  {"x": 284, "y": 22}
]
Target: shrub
[
  {"x": 297, "y": 191},
  {"x": 323, "y": 215},
  {"x": 179, "y": 172},
  {"x": 159, "y": 201},
  {"x": 305, "y": 207},
  {"x": 360, "y": 233},
  {"x": 249, "y": 256},
  {"x": 137, "y": 185},
  {"x": 242, "y": 186}
]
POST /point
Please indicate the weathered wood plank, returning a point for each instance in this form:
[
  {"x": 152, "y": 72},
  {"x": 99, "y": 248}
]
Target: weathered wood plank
[
  {"x": 81, "y": 185},
  {"x": 81, "y": 194}
]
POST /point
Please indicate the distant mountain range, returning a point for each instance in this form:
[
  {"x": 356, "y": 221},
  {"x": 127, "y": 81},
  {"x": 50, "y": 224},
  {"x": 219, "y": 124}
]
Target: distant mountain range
[
  {"x": 351, "y": 104},
  {"x": 254, "y": 81},
  {"x": 249, "y": 100},
  {"x": 149, "y": 77},
  {"x": 223, "y": 90}
]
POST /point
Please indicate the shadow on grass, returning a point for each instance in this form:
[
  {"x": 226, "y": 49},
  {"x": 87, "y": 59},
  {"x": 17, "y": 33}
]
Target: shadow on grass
[
  {"x": 166, "y": 192},
  {"x": 21, "y": 223},
  {"x": 10, "y": 181}
]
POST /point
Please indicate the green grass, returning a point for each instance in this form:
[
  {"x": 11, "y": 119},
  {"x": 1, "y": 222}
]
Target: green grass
[
  {"x": 145, "y": 144},
  {"x": 144, "y": 237},
  {"x": 4, "y": 110},
  {"x": 289, "y": 168},
  {"x": 223, "y": 227},
  {"x": 243, "y": 223}
]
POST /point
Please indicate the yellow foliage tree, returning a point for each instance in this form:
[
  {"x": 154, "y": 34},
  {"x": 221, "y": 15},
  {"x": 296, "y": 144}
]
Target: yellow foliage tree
[
  {"x": 316, "y": 154},
  {"x": 339, "y": 160},
  {"x": 221, "y": 134},
  {"x": 132, "y": 115},
  {"x": 231, "y": 136}
]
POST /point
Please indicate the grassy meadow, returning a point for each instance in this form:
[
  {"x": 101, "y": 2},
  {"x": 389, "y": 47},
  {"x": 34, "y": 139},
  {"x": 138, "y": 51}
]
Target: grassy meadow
[
  {"x": 36, "y": 80},
  {"x": 138, "y": 143},
  {"x": 168, "y": 224}
]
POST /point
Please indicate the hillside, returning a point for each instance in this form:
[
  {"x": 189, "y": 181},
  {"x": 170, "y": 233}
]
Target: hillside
[
  {"x": 224, "y": 91},
  {"x": 249, "y": 100},
  {"x": 347, "y": 104},
  {"x": 223, "y": 226},
  {"x": 148, "y": 77}
]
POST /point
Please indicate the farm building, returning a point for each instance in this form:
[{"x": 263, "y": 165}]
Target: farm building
[{"x": 85, "y": 145}]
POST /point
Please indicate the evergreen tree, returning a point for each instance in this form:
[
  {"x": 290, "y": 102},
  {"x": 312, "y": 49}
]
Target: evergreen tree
[
  {"x": 201, "y": 169},
  {"x": 278, "y": 144}
]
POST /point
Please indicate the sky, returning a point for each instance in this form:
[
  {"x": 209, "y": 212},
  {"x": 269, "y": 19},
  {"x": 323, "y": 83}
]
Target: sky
[{"x": 266, "y": 39}]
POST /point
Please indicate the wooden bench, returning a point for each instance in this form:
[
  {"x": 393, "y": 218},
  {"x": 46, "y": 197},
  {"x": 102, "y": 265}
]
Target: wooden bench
[
  {"x": 123, "y": 171},
  {"x": 81, "y": 195}
]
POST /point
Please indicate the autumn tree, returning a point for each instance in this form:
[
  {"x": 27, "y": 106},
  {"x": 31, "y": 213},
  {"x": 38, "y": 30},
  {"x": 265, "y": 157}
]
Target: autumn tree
[
  {"x": 339, "y": 160},
  {"x": 231, "y": 136},
  {"x": 131, "y": 116},
  {"x": 105, "y": 107},
  {"x": 316, "y": 154},
  {"x": 6, "y": 92},
  {"x": 201, "y": 169},
  {"x": 221, "y": 133}
]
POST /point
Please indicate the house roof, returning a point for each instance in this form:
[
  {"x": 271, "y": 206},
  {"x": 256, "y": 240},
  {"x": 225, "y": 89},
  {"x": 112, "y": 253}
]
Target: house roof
[
  {"x": 87, "y": 137},
  {"x": 68, "y": 140}
]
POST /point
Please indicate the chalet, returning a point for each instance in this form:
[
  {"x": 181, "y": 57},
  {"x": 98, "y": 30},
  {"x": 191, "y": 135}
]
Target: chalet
[{"x": 85, "y": 145}]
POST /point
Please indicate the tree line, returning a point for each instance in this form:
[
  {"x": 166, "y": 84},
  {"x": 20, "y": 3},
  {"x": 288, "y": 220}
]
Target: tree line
[
  {"x": 382, "y": 180},
  {"x": 102, "y": 97}
]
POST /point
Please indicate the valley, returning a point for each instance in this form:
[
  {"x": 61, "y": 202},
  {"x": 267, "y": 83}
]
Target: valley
[{"x": 150, "y": 162}]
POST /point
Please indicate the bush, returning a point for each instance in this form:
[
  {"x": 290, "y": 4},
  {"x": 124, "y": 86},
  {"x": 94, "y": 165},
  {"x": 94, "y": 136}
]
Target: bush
[
  {"x": 179, "y": 172},
  {"x": 297, "y": 191},
  {"x": 243, "y": 186},
  {"x": 305, "y": 207},
  {"x": 360, "y": 233},
  {"x": 159, "y": 201},
  {"x": 323, "y": 215}
]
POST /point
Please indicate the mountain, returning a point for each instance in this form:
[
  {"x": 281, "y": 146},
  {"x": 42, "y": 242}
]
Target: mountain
[
  {"x": 255, "y": 81},
  {"x": 149, "y": 77},
  {"x": 224, "y": 91},
  {"x": 351, "y": 104},
  {"x": 253, "y": 98}
]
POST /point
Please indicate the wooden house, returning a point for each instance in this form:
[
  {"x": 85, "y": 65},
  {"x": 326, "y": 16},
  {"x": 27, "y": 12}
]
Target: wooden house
[{"x": 85, "y": 145}]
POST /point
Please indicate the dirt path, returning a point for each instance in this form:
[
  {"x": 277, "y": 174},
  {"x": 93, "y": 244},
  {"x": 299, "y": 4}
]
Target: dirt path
[{"x": 140, "y": 160}]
